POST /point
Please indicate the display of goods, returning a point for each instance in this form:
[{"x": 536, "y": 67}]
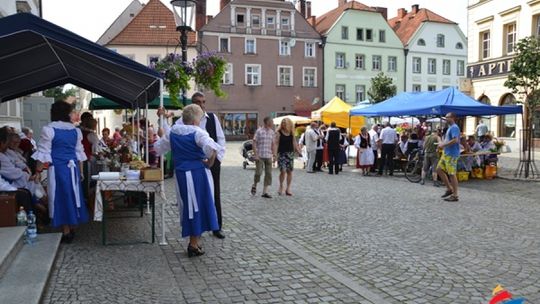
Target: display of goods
[{"x": 137, "y": 164}]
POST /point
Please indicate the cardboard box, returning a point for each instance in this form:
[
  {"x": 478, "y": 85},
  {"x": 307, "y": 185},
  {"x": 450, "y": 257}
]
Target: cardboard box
[{"x": 151, "y": 174}]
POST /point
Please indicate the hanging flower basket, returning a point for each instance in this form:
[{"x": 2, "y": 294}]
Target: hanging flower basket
[{"x": 208, "y": 71}]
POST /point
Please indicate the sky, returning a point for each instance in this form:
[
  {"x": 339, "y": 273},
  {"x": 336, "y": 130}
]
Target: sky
[{"x": 91, "y": 18}]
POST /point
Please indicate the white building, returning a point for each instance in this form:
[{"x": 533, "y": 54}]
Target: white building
[
  {"x": 495, "y": 27},
  {"x": 11, "y": 111},
  {"x": 435, "y": 48}
]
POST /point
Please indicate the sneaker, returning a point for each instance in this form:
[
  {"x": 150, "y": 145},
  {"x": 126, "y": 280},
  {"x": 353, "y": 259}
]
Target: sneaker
[{"x": 447, "y": 193}]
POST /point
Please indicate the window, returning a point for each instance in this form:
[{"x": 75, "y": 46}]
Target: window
[
  {"x": 270, "y": 22},
  {"x": 256, "y": 21},
  {"x": 240, "y": 19},
  {"x": 340, "y": 91},
  {"x": 360, "y": 93},
  {"x": 228, "y": 75},
  {"x": 431, "y": 88},
  {"x": 345, "y": 32},
  {"x": 340, "y": 60},
  {"x": 253, "y": 74},
  {"x": 392, "y": 64},
  {"x": 251, "y": 46},
  {"x": 460, "y": 68},
  {"x": 432, "y": 66},
  {"x": 376, "y": 63},
  {"x": 369, "y": 35},
  {"x": 360, "y": 34},
  {"x": 285, "y": 76},
  {"x": 285, "y": 23},
  {"x": 238, "y": 123},
  {"x": 507, "y": 123},
  {"x": 153, "y": 59},
  {"x": 417, "y": 88},
  {"x": 446, "y": 67},
  {"x": 309, "y": 49},
  {"x": 224, "y": 45},
  {"x": 421, "y": 42},
  {"x": 510, "y": 38},
  {"x": 536, "y": 30},
  {"x": 284, "y": 48},
  {"x": 310, "y": 77},
  {"x": 486, "y": 41},
  {"x": 382, "y": 36},
  {"x": 417, "y": 65},
  {"x": 459, "y": 46},
  {"x": 440, "y": 40},
  {"x": 359, "y": 61}
]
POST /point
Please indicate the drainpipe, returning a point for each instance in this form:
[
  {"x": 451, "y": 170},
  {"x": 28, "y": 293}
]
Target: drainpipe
[
  {"x": 406, "y": 52},
  {"x": 323, "y": 82}
]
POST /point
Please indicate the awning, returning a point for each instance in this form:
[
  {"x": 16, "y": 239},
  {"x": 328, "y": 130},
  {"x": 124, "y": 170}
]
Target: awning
[
  {"x": 295, "y": 119},
  {"x": 102, "y": 103},
  {"x": 36, "y": 55},
  {"x": 336, "y": 110}
]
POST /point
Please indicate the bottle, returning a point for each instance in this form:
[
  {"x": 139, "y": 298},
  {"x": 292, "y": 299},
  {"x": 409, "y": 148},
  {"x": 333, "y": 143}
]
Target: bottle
[
  {"x": 31, "y": 229},
  {"x": 21, "y": 217}
]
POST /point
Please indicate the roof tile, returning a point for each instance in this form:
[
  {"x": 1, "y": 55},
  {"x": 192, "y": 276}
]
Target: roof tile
[{"x": 408, "y": 25}]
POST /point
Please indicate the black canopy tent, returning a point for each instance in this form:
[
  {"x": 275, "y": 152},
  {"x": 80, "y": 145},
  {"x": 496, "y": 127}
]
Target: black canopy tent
[{"x": 36, "y": 55}]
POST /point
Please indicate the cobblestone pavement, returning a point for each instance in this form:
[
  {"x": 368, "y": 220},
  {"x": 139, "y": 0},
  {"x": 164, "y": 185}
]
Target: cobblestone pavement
[{"x": 339, "y": 239}]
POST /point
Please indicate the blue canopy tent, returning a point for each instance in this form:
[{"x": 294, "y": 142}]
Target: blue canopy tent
[
  {"x": 36, "y": 54},
  {"x": 437, "y": 103}
]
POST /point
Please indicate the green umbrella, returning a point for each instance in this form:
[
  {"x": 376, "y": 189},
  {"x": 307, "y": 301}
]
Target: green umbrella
[{"x": 102, "y": 103}]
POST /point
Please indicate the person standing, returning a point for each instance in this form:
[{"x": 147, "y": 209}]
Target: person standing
[
  {"x": 431, "y": 158},
  {"x": 263, "y": 149},
  {"x": 311, "y": 139},
  {"x": 481, "y": 130},
  {"x": 333, "y": 136},
  {"x": 285, "y": 147},
  {"x": 374, "y": 141},
  {"x": 388, "y": 140},
  {"x": 363, "y": 144},
  {"x": 194, "y": 151},
  {"x": 60, "y": 145},
  {"x": 317, "y": 166},
  {"x": 447, "y": 166}
]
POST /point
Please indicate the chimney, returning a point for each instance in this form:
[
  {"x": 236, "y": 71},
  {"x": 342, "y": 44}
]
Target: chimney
[
  {"x": 303, "y": 8},
  {"x": 401, "y": 13},
  {"x": 209, "y": 18},
  {"x": 308, "y": 9},
  {"x": 223, "y": 3},
  {"x": 415, "y": 8},
  {"x": 341, "y": 2},
  {"x": 383, "y": 11},
  {"x": 312, "y": 20},
  {"x": 200, "y": 18}
]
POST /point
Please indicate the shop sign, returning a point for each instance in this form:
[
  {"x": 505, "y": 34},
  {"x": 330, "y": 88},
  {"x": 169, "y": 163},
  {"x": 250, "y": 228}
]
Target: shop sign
[{"x": 490, "y": 69}]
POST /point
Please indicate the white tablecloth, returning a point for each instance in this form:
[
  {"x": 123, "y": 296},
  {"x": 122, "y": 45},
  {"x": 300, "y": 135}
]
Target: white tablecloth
[{"x": 124, "y": 185}]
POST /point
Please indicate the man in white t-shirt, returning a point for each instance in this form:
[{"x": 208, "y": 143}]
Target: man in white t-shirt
[{"x": 388, "y": 140}]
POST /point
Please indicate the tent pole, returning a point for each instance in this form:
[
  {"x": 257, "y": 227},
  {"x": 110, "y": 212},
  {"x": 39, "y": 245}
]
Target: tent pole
[
  {"x": 163, "y": 241},
  {"x": 147, "y": 139},
  {"x": 138, "y": 132},
  {"x": 348, "y": 148}
]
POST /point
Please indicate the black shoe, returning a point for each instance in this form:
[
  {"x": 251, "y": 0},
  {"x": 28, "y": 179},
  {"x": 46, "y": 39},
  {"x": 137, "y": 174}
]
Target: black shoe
[
  {"x": 266, "y": 195},
  {"x": 67, "y": 238},
  {"x": 218, "y": 234},
  {"x": 447, "y": 193},
  {"x": 192, "y": 251}
]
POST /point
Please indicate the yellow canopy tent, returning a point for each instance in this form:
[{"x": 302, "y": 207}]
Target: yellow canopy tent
[{"x": 338, "y": 111}]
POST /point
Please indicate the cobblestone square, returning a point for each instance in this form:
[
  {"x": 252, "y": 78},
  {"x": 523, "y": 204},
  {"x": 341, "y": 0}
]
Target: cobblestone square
[{"x": 339, "y": 239}]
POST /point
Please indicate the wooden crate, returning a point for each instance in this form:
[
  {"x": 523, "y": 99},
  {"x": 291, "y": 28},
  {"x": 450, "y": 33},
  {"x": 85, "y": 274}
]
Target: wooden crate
[
  {"x": 8, "y": 209},
  {"x": 151, "y": 174}
]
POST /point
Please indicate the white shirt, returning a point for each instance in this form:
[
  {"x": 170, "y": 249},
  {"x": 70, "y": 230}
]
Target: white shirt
[
  {"x": 311, "y": 140},
  {"x": 317, "y": 133},
  {"x": 388, "y": 136},
  {"x": 374, "y": 137},
  {"x": 202, "y": 139}
]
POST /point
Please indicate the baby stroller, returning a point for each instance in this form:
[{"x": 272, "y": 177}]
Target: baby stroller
[{"x": 247, "y": 152}]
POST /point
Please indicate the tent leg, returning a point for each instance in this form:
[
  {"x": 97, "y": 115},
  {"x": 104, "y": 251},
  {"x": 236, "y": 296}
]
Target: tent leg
[{"x": 163, "y": 241}]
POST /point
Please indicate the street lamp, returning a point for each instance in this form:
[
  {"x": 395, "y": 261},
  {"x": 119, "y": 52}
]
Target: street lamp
[{"x": 184, "y": 17}]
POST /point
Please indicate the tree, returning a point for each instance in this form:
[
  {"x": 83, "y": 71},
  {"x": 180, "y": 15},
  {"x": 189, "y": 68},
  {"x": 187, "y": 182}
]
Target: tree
[
  {"x": 382, "y": 88},
  {"x": 524, "y": 80},
  {"x": 58, "y": 93}
]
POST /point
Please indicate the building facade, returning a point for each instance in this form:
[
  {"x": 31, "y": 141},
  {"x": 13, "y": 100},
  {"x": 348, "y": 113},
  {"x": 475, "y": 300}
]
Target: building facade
[
  {"x": 435, "y": 48},
  {"x": 359, "y": 44},
  {"x": 494, "y": 28},
  {"x": 11, "y": 112},
  {"x": 274, "y": 63}
]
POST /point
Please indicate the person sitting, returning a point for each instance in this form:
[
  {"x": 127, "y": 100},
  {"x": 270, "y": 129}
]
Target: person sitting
[
  {"x": 488, "y": 146},
  {"x": 473, "y": 144},
  {"x": 412, "y": 144},
  {"x": 105, "y": 140},
  {"x": 15, "y": 154},
  {"x": 28, "y": 144},
  {"x": 402, "y": 146}
]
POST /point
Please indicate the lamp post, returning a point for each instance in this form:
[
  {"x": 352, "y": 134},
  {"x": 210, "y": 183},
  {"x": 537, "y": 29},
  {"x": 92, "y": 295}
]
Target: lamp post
[{"x": 184, "y": 17}]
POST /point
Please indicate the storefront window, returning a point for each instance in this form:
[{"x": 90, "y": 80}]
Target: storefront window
[
  {"x": 536, "y": 123},
  {"x": 486, "y": 119},
  {"x": 507, "y": 124},
  {"x": 238, "y": 124}
]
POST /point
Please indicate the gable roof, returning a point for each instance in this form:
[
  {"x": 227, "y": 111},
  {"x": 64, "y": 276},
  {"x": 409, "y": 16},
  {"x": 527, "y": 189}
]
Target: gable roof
[
  {"x": 121, "y": 22},
  {"x": 406, "y": 26},
  {"x": 325, "y": 22},
  {"x": 154, "y": 25}
]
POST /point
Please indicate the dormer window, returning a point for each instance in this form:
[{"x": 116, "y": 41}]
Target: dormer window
[
  {"x": 421, "y": 42},
  {"x": 440, "y": 40},
  {"x": 459, "y": 46}
]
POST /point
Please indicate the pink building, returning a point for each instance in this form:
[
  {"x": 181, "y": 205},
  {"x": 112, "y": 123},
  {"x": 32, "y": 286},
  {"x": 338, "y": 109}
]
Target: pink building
[{"x": 275, "y": 63}]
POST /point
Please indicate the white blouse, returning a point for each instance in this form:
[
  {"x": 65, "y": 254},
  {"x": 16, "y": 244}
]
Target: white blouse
[
  {"x": 202, "y": 139},
  {"x": 43, "y": 152}
]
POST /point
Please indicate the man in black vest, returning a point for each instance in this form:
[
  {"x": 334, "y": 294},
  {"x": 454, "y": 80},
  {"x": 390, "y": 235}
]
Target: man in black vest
[{"x": 333, "y": 135}]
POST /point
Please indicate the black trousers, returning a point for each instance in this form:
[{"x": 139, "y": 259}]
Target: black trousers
[
  {"x": 317, "y": 166},
  {"x": 388, "y": 152},
  {"x": 216, "y": 172},
  {"x": 375, "y": 157},
  {"x": 333, "y": 155}
]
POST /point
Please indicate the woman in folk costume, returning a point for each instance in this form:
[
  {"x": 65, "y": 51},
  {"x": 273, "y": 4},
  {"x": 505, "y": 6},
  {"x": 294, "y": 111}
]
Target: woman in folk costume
[
  {"x": 60, "y": 146},
  {"x": 193, "y": 152},
  {"x": 364, "y": 156}
]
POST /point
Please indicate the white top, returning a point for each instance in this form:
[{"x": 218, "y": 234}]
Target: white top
[
  {"x": 43, "y": 152},
  {"x": 388, "y": 136},
  {"x": 374, "y": 137},
  {"x": 17, "y": 159},
  {"x": 202, "y": 139},
  {"x": 17, "y": 176},
  {"x": 311, "y": 140}
]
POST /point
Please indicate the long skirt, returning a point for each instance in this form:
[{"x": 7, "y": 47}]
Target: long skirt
[{"x": 366, "y": 158}]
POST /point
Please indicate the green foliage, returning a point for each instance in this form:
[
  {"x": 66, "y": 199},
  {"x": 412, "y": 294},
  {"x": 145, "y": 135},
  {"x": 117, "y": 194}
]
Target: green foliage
[
  {"x": 208, "y": 71},
  {"x": 176, "y": 75},
  {"x": 382, "y": 88},
  {"x": 58, "y": 93}
]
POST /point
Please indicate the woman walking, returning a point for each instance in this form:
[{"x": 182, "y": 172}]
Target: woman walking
[
  {"x": 193, "y": 152},
  {"x": 60, "y": 145},
  {"x": 286, "y": 145},
  {"x": 363, "y": 144}
]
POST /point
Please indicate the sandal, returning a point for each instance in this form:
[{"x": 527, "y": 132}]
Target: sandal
[
  {"x": 452, "y": 198},
  {"x": 288, "y": 193},
  {"x": 447, "y": 193},
  {"x": 253, "y": 190}
]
